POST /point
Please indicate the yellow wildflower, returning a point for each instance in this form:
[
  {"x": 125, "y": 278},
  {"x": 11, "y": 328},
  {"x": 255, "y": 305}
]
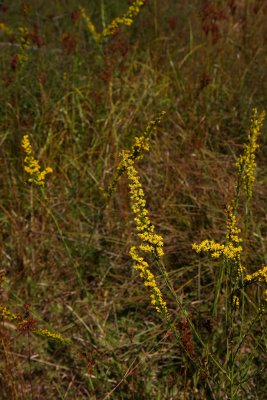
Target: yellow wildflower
[
  {"x": 135, "y": 153},
  {"x": 32, "y": 166},
  {"x": 4, "y": 28},
  {"x": 236, "y": 301},
  {"x": 258, "y": 276},
  {"x": 6, "y": 314},
  {"x": 91, "y": 27},
  {"x": 246, "y": 163},
  {"x": 23, "y": 324},
  {"x": 151, "y": 242},
  {"x": 127, "y": 19},
  {"x": 231, "y": 249},
  {"x": 209, "y": 246},
  {"x": 51, "y": 335},
  {"x": 23, "y": 55},
  {"x": 150, "y": 282}
]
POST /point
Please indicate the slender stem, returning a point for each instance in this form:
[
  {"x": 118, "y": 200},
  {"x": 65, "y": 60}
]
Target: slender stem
[
  {"x": 186, "y": 315},
  {"x": 32, "y": 228},
  {"x": 103, "y": 16}
]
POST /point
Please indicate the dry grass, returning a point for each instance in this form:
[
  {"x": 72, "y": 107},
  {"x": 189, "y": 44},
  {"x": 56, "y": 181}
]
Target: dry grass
[{"x": 82, "y": 103}]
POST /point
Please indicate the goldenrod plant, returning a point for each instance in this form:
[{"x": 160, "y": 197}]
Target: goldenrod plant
[
  {"x": 21, "y": 35},
  {"x": 100, "y": 250},
  {"x": 32, "y": 166},
  {"x": 6, "y": 29},
  {"x": 231, "y": 278},
  {"x": 246, "y": 163},
  {"x": 29, "y": 325},
  {"x": 126, "y": 19}
]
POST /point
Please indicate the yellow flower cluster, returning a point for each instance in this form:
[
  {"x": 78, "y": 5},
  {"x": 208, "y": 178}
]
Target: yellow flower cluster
[
  {"x": 150, "y": 242},
  {"x": 5, "y": 313},
  {"x": 232, "y": 249},
  {"x": 141, "y": 143},
  {"x": 31, "y": 166},
  {"x": 246, "y": 163},
  {"x": 51, "y": 335},
  {"x": 236, "y": 301},
  {"x": 258, "y": 276},
  {"x": 23, "y": 55},
  {"x": 5, "y": 29},
  {"x": 150, "y": 282},
  {"x": 127, "y": 20},
  {"x": 90, "y": 25}
]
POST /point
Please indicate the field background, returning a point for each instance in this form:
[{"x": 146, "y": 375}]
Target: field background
[{"x": 66, "y": 259}]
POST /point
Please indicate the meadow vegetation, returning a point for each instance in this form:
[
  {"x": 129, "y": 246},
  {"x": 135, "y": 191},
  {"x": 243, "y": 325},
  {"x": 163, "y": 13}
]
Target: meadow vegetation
[{"x": 133, "y": 199}]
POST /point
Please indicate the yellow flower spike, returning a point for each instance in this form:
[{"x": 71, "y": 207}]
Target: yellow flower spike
[
  {"x": 149, "y": 281},
  {"x": 128, "y": 157},
  {"x": 91, "y": 27},
  {"x": 246, "y": 163},
  {"x": 233, "y": 232},
  {"x": 51, "y": 335},
  {"x": 32, "y": 166},
  {"x": 4, "y": 28},
  {"x": 236, "y": 301},
  {"x": 258, "y": 276},
  {"x": 6, "y": 314},
  {"x": 127, "y": 19},
  {"x": 231, "y": 249}
]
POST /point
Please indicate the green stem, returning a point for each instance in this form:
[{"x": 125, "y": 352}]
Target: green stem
[{"x": 187, "y": 317}]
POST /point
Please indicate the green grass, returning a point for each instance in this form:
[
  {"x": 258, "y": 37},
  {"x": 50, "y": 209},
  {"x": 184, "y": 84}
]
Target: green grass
[{"x": 66, "y": 255}]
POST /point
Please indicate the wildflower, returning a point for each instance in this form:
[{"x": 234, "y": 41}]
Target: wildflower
[
  {"x": 51, "y": 335},
  {"x": 246, "y": 163},
  {"x": 150, "y": 241},
  {"x": 232, "y": 234},
  {"x": 5, "y": 313},
  {"x": 209, "y": 246},
  {"x": 127, "y": 19},
  {"x": 4, "y": 28},
  {"x": 141, "y": 143},
  {"x": 91, "y": 27},
  {"x": 236, "y": 301},
  {"x": 149, "y": 281},
  {"x": 258, "y": 276},
  {"x": 231, "y": 249},
  {"x": 24, "y": 325},
  {"x": 23, "y": 55},
  {"x": 32, "y": 166}
]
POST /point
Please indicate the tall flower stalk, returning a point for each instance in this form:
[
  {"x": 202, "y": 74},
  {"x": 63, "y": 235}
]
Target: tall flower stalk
[{"x": 112, "y": 28}]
